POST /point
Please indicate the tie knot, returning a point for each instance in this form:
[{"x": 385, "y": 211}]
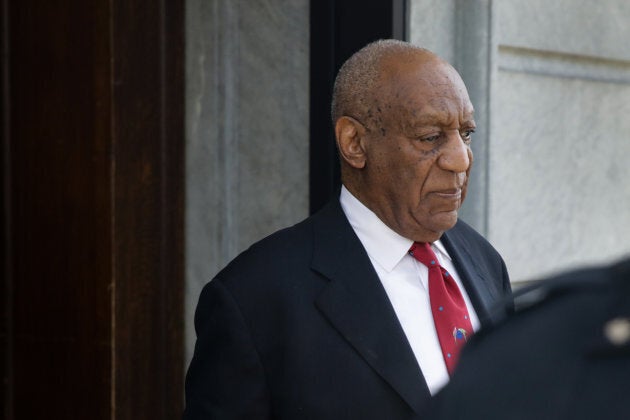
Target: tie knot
[{"x": 422, "y": 252}]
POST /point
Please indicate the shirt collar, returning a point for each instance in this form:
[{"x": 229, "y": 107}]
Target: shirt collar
[
  {"x": 439, "y": 246},
  {"x": 382, "y": 244}
]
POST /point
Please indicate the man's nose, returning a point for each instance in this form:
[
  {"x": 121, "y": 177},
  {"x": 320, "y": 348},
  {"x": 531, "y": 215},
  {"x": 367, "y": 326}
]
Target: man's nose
[{"x": 455, "y": 156}]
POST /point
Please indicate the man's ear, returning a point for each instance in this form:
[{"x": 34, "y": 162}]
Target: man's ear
[{"x": 350, "y": 135}]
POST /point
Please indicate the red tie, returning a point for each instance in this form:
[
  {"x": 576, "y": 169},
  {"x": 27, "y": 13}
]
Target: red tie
[{"x": 450, "y": 314}]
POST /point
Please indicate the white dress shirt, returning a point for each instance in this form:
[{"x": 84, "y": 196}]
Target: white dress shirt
[{"x": 406, "y": 282}]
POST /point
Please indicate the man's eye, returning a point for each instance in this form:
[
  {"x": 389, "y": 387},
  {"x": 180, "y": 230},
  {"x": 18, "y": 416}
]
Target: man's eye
[
  {"x": 430, "y": 139},
  {"x": 467, "y": 134}
]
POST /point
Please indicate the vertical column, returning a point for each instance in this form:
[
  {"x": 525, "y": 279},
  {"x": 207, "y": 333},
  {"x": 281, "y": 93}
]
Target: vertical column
[{"x": 473, "y": 59}]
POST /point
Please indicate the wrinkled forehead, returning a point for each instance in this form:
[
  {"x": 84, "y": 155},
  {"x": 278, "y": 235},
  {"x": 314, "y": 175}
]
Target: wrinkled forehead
[
  {"x": 423, "y": 72},
  {"x": 425, "y": 87}
]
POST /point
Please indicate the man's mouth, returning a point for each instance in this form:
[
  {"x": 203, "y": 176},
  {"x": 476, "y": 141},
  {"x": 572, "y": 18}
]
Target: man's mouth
[{"x": 449, "y": 194}]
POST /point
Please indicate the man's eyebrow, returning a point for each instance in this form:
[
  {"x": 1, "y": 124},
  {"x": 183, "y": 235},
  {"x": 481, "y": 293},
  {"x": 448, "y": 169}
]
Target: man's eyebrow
[
  {"x": 428, "y": 119},
  {"x": 469, "y": 119},
  {"x": 469, "y": 114}
]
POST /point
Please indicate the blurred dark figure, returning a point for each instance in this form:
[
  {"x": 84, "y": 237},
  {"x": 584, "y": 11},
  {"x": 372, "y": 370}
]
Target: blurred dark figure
[{"x": 565, "y": 356}]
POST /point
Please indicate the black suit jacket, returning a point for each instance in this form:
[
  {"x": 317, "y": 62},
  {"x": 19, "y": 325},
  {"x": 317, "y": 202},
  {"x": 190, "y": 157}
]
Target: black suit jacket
[
  {"x": 557, "y": 359},
  {"x": 300, "y": 327}
]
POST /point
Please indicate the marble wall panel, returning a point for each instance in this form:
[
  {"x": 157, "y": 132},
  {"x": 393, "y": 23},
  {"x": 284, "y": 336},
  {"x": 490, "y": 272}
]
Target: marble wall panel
[
  {"x": 559, "y": 134},
  {"x": 579, "y": 27},
  {"x": 247, "y": 76}
]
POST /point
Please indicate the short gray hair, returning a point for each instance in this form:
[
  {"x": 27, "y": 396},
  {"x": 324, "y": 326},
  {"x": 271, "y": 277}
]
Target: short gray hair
[{"x": 354, "y": 89}]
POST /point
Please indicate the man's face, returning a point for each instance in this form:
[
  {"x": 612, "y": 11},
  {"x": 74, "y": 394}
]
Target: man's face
[{"x": 418, "y": 149}]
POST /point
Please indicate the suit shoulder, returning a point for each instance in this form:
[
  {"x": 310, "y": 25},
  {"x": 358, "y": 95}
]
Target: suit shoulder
[
  {"x": 561, "y": 312},
  {"x": 575, "y": 321},
  {"x": 582, "y": 296},
  {"x": 275, "y": 250},
  {"x": 285, "y": 253},
  {"x": 588, "y": 282}
]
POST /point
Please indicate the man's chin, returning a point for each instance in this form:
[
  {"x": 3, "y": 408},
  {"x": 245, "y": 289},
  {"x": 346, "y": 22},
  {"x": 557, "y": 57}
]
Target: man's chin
[
  {"x": 433, "y": 229},
  {"x": 443, "y": 221}
]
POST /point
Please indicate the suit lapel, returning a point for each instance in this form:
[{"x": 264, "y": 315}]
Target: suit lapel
[
  {"x": 475, "y": 280},
  {"x": 356, "y": 304}
]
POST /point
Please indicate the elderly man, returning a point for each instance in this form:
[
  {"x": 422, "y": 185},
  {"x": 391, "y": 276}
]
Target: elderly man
[{"x": 359, "y": 311}]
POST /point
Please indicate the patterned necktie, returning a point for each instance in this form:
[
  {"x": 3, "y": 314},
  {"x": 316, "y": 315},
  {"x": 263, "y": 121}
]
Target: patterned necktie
[{"x": 448, "y": 307}]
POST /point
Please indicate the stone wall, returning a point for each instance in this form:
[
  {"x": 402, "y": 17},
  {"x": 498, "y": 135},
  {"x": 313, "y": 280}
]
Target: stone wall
[
  {"x": 560, "y": 134},
  {"x": 247, "y": 144}
]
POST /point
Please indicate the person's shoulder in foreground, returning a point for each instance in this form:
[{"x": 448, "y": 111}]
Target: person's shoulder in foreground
[{"x": 566, "y": 355}]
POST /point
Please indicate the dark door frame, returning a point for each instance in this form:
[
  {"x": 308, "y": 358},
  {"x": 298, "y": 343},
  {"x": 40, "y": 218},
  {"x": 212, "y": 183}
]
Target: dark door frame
[{"x": 91, "y": 283}]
